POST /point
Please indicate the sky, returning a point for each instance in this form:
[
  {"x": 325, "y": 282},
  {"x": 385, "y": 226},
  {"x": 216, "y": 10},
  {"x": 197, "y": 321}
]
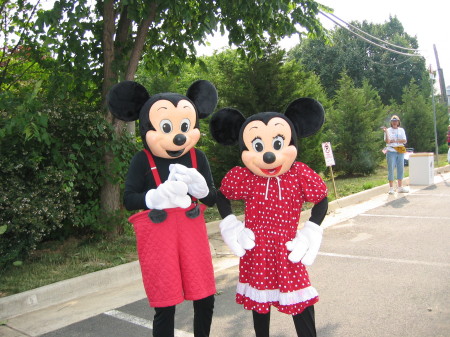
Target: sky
[{"x": 426, "y": 20}]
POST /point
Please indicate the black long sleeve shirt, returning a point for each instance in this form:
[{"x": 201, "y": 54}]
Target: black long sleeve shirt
[{"x": 140, "y": 178}]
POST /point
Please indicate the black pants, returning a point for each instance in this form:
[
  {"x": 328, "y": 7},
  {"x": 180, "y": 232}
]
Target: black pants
[
  {"x": 164, "y": 320},
  {"x": 304, "y": 323}
]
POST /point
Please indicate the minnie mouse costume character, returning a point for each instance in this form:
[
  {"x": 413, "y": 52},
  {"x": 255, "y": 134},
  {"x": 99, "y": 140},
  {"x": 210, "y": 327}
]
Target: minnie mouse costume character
[
  {"x": 273, "y": 253},
  {"x": 165, "y": 180}
]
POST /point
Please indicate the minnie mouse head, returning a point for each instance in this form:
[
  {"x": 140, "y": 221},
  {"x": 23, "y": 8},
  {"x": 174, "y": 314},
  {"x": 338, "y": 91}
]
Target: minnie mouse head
[
  {"x": 168, "y": 122},
  {"x": 268, "y": 140}
]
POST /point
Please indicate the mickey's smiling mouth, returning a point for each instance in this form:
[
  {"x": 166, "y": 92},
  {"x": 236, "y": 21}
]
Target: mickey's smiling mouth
[
  {"x": 272, "y": 172},
  {"x": 175, "y": 154}
]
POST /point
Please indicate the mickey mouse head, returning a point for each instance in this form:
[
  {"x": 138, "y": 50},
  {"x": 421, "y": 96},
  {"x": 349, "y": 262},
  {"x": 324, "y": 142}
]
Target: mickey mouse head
[
  {"x": 268, "y": 140},
  {"x": 168, "y": 122}
]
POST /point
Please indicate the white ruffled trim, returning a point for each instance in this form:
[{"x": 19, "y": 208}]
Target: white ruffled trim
[{"x": 275, "y": 295}]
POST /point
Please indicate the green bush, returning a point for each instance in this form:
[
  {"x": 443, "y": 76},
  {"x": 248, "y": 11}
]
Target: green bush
[
  {"x": 31, "y": 210},
  {"x": 52, "y": 165},
  {"x": 443, "y": 148},
  {"x": 353, "y": 128}
]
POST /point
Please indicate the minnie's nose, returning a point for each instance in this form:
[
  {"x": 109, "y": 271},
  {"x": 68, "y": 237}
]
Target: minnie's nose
[{"x": 269, "y": 157}]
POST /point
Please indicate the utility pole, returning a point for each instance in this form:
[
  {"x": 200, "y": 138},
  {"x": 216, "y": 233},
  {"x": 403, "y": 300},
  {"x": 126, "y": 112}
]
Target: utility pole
[
  {"x": 434, "y": 115},
  {"x": 444, "y": 98}
]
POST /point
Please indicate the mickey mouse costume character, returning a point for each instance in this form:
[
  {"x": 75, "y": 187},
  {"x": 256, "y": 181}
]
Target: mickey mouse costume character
[
  {"x": 273, "y": 252},
  {"x": 165, "y": 180}
]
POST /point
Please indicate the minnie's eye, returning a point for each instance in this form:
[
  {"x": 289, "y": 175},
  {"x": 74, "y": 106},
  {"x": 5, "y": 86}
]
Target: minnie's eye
[
  {"x": 166, "y": 126},
  {"x": 278, "y": 142},
  {"x": 185, "y": 125},
  {"x": 258, "y": 145}
]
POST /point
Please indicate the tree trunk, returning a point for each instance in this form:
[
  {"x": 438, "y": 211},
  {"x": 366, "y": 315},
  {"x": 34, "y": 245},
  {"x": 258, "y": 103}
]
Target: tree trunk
[
  {"x": 109, "y": 76},
  {"x": 110, "y": 192},
  {"x": 140, "y": 42},
  {"x": 137, "y": 52}
]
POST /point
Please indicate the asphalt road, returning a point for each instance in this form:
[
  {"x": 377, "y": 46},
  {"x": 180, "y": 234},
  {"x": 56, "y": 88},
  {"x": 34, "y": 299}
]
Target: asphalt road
[{"x": 383, "y": 270}]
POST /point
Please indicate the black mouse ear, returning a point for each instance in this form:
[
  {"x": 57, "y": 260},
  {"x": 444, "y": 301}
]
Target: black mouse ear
[
  {"x": 225, "y": 126},
  {"x": 204, "y": 95},
  {"x": 307, "y": 115},
  {"x": 125, "y": 100}
]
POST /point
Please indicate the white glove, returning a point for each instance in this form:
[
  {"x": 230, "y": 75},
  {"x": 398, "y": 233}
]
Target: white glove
[
  {"x": 169, "y": 194},
  {"x": 306, "y": 244},
  {"x": 236, "y": 236},
  {"x": 197, "y": 186}
]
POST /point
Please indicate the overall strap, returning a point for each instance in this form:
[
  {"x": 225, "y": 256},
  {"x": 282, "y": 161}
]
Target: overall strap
[
  {"x": 193, "y": 158},
  {"x": 153, "y": 167}
]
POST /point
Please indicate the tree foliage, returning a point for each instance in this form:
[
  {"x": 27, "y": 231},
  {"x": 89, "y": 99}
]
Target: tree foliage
[
  {"x": 354, "y": 127},
  {"x": 20, "y": 71},
  {"x": 385, "y": 71},
  {"x": 417, "y": 119}
]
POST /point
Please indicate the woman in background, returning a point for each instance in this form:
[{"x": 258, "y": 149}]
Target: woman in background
[{"x": 395, "y": 138}]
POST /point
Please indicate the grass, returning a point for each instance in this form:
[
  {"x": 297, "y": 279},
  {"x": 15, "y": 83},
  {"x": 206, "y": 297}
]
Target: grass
[
  {"x": 60, "y": 260},
  {"x": 350, "y": 185}
]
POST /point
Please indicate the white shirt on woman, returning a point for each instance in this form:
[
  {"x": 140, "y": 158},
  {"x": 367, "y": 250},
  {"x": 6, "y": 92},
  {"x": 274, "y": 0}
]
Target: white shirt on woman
[{"x": 395, "y": 134}]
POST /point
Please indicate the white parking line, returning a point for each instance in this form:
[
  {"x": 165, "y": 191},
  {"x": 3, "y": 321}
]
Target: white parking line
[
  {"x": 383, "y": 259},
  {"x": 430, "y": 195},
  {"x": 407, "y": 216},
  {"x": 145, "y": 323}
]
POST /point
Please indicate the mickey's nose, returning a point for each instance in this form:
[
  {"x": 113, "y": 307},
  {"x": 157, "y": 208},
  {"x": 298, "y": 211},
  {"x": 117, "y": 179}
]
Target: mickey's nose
[
  {"x": 269, "y": 157},
  {"x": 179, "y": 139}
]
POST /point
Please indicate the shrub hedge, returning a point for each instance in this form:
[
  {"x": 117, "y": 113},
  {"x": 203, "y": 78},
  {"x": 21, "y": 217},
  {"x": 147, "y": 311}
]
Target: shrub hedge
[{"x": 52, "y": 171}]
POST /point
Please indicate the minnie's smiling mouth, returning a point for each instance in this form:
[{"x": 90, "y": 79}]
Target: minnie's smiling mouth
[{"x": 271, "y": 172}]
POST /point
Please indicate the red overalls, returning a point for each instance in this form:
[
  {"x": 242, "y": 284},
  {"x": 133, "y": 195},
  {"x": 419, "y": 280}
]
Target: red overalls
[{"x": 174, "y": 255}]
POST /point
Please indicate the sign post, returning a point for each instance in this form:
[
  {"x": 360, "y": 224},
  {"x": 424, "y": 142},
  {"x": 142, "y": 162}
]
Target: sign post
[{"x": 329, "y": 161}]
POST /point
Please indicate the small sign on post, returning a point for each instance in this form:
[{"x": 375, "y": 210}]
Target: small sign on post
[
  {"x": 328, "y": 154},
  {"x": 329, "y": 161}
]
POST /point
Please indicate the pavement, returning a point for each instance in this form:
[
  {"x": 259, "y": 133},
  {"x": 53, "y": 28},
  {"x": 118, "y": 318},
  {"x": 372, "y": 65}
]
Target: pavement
[{"x": 383, "y": 270}]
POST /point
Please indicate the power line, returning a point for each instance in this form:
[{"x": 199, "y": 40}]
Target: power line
[
  {"x": 369, "y": 41},
  {"x": 374, "y": 37},
  {"x": 388, "y": 64}
]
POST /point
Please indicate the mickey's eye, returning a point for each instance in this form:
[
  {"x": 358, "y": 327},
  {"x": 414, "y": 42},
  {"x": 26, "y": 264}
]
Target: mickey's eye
[
  {"x": 185, "y": 125},
  {"x": 166, "y": 126},
  {"x": 258, "y": 145},
  {"x": 278, "y": 142}
]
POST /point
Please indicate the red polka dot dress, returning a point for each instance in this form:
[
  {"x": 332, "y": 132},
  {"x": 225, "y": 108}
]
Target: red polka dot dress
[{"x": 272, "y": 212}]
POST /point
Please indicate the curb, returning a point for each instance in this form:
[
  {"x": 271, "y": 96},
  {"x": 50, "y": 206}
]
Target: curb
[
  {"x": 67, "y": 290},
  {"x": 70, "y": 289}
]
